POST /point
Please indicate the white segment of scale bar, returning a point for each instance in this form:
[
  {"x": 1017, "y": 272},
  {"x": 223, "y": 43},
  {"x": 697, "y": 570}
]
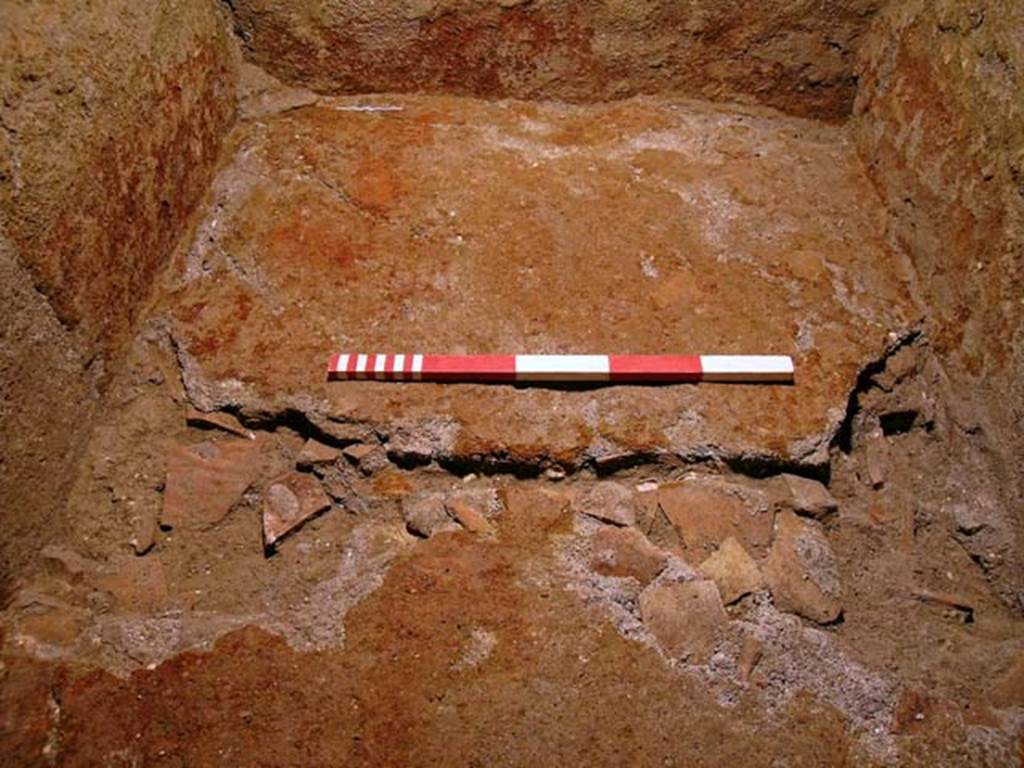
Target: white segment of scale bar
[
  {"x": 746, "y": 367},
  {"x": 557, "y": 367}
]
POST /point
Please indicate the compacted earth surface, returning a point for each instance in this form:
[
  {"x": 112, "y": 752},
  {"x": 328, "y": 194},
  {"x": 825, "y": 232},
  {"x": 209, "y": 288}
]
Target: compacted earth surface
[{"x": 266, "y": 568}]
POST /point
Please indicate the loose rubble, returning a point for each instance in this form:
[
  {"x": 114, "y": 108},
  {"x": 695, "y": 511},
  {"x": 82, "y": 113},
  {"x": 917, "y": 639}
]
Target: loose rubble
[
  {"x": 144, "y": 531},
  {"x": 368, "y": 457}
]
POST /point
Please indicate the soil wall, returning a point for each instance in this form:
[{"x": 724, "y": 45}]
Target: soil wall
[
  {"x": 111, "y": 118},
  {"x": 797, "y": 55},
  {"x": 939, "y": 122}
]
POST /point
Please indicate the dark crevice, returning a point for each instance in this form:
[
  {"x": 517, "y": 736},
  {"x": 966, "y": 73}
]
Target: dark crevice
[
  {"x": 493, "y": 464},
  {"x": 843, "y": 439},
  {"x": 609, "y": 465},
  {"x": 408, "y": 461},
  {"x": 290, "y": 418},
  {"x": 898, "y": 422},
  {"x": 760, "y": 467},
  {"x": 236, "y": 25}
]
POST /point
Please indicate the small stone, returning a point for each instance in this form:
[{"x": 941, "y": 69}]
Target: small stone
[
  {"x": 144, "y": 528},
  {"x": 316, "y": 454},
  {"x": 358, "y": 451},
  {"x": 733, "y": 570},
  {"x": 290, "y": 501},
  {"x": 469, "y": 517},
  {"x": 647, "y": 486},
  {"x": 801, "y": 570},
  {"x": 217, "y": 420},
  {"x": 706, "y": 515},
  {"x": 337, "y": 488},
  {"x": 608, "y": 502},
  {"x": 684, "y": 618},
  {"x": 609, "y": 462},
  {"x": 626, "y": 552},
  {"x": 341, "y": 490},
  {"x": 749, "y": 657},
  {"x": 368, "y": 457},
  {"x": 484, "y": 500},
  {"x": 554, "y": 474},
  {"x": 425, "y": 515},
  {"x": 808, "y": 497},
  {"x": 877, "y": 456}
]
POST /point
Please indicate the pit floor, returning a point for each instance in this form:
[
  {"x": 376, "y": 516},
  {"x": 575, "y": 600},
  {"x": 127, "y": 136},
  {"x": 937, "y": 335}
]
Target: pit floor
[{"x": 164, "y": 634}]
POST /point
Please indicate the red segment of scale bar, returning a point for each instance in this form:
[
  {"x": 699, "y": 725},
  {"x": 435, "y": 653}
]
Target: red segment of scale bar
[
  {"x": 469, "y": 368},
  {"x": 654, "y": 368}
]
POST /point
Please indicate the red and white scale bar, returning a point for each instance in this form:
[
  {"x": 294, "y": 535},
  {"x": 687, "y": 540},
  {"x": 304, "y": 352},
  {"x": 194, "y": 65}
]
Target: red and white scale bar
[{"x": 567, "y": 368}]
